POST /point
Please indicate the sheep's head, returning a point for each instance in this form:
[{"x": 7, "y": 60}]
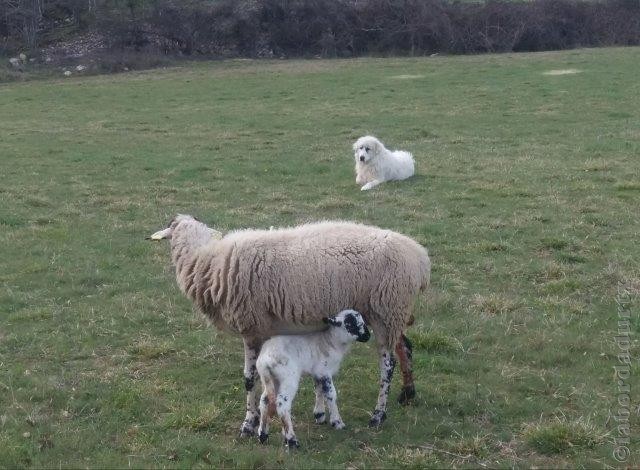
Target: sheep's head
[
  {"x": 353, "y": 324},
  {"x": 181, "y": 220}
]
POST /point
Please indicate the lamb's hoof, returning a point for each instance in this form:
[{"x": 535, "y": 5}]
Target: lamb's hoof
[
  {"x": 320, "y": 417},
  {"x": 378, "y": 417},
  {"x": 248, "y": 428},
  {"x": 292, "y": 443},
  {"x": 263, "y": 437},
  {"x": 407, "y": 393},
  {"x": 338, "y": 425}
]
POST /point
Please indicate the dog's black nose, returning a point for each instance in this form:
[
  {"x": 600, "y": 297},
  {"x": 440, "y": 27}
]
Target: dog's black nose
[{"x": 361, "y": 159}]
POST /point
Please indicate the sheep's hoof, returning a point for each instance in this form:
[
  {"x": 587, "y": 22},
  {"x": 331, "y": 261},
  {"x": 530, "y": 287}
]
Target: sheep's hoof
[
  {"x": 378, "y": 417},
  {"x": 320, "y": 417},
  {"x": 338, "y": 424},
  {"x": 291, "y": 443},
  {"x": 263, "y": 437},
  {"x": 407, "y": 393}
]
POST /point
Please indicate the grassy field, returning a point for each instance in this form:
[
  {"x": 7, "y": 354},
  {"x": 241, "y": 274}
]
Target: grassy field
[{"x": 527, "y": 196}]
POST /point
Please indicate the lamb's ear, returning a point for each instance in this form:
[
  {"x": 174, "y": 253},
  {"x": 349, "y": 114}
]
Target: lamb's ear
[{"x": 332, "y": 321}]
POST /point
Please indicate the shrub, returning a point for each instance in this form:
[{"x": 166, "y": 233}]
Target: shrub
[{"x": 328, "y": 28}]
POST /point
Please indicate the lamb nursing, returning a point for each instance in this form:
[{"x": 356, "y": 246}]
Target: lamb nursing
[
  {"x": 261, "y": 283},
  {"x": 284, "y": 359}
]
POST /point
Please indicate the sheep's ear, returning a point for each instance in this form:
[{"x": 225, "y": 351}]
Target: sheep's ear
[
  {"x": 161, "y": 234},
  {"x": 332, "y": 321}
]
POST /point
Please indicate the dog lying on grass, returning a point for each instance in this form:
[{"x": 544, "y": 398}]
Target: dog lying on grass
[{"x": 376, "y": 164}]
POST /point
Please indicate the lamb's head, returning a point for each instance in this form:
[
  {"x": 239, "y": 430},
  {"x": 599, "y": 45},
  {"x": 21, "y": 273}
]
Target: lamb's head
[
  {"x": 352, "y": 324},
  {"x": 186, "y": 226},
  {"x": 366, "y": 148}
]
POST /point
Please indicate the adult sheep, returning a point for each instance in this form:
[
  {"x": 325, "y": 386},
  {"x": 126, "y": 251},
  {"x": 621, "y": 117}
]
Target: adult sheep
[{"x": 261, "y": 283}]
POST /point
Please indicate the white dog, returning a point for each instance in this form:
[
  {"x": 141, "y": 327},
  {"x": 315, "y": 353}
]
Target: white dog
[{"x": 376, "y": 164}]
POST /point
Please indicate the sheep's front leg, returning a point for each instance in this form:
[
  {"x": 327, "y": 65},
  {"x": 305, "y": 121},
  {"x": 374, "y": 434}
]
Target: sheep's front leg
[
  {"x": 330, "y": 395},
  {"x": 405, "y": 356},
  {"x": 387, "y": 364},
  {"x": 252, "y": 418}
]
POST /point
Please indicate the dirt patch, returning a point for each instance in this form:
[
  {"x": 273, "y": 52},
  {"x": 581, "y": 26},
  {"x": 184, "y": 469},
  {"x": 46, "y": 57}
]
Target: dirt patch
[
  {"x": 407, "y": 77},
  {"x": 562, "y": 72}
]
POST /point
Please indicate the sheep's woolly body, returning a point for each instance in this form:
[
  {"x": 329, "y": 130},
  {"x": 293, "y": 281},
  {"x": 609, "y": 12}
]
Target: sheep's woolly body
[{"x": 251, "y": 281}]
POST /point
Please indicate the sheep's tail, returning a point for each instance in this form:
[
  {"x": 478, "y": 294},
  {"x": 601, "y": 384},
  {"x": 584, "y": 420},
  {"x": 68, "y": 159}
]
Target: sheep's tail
[{"x": 425, "y": 271}]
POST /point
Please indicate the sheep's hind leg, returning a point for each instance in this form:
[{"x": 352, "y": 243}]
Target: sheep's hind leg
[
  {"x": 318, "y": 410},
  {"x": 405, "y": 356},
  {"x": 252, "y": 418},
  {"x": 387, "y": 364}
]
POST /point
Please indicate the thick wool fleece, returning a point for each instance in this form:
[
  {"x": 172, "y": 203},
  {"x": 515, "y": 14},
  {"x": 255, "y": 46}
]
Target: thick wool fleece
[{"x": 253, "y": 281}]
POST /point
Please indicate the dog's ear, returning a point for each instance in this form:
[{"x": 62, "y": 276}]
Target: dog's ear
[
  {"x": 355, "y": 146},
  {"x": 377, "y": 146}
]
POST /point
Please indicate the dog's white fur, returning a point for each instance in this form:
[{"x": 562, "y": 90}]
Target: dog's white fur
[{"x": 376, "y": 164}]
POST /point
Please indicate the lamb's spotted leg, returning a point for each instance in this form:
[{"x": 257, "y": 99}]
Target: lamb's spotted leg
[
  {"x": 263, "y": 430},
  {"x": 284, "y": 399},
  {"x": 387, "y": 364},
  {"x": 405, "y": 356},
  {"x": 252, "y": 418},
  {"x": 318, "y": 410},
  {"x": 330, "y": 395}
]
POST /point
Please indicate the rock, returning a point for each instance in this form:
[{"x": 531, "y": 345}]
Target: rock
[
  {"x": 80, "y": 68},
  {"x": 14, "y": 61},
  {"x": 67, "y": 73},
  {"x": 23, "y": 57}
]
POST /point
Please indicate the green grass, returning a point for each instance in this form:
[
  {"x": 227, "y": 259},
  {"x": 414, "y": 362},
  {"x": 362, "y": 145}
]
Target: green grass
[{"x": 526, "y": 195}]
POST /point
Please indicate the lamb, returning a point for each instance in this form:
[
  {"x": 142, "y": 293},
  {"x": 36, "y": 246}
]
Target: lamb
[
  {"x": 284, "y": 359},
  {"x": 260, "y": 283}
]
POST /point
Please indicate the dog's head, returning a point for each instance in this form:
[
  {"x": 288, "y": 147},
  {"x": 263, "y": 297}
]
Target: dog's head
[{"x": 366, "y": 148}]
